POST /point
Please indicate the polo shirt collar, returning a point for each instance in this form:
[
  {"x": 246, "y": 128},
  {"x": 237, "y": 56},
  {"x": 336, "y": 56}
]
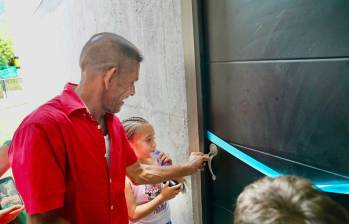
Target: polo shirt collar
[{"x": 70, "y": 100}]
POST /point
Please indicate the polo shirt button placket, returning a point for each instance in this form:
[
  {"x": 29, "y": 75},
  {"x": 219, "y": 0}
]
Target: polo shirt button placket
[{"x": 110, "y": 180}]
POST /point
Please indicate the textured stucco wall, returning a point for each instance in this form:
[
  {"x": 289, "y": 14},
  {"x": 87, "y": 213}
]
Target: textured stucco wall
[{"x": 48, "y": 38}]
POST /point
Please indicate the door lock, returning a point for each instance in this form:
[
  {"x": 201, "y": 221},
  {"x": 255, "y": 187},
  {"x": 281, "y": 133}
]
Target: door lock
[{"x": 213, "y": 152}]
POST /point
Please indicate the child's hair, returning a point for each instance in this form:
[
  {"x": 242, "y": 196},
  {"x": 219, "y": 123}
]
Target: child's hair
[
  {"x": 287, "y": 199},
  {"x": 131, "y": 124}
]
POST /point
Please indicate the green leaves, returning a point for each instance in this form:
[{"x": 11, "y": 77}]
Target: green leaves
[{"x": 6, "y": 52}]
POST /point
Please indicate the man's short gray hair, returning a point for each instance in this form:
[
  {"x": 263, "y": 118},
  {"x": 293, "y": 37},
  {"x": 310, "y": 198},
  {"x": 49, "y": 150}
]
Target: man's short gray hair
[{"x": 105, "y": 50}]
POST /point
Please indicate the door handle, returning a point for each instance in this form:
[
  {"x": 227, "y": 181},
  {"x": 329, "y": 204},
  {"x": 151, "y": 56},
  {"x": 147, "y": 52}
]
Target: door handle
[{"x": 213, "y": 152}]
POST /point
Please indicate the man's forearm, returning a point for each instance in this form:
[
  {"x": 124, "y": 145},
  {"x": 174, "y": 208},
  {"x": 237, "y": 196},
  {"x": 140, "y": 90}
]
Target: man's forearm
[
  {"x": 143, "y": 174},
  {"x": 150, "y": 174}
]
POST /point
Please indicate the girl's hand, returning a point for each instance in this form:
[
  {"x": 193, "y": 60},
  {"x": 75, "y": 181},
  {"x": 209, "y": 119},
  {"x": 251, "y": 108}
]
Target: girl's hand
[
  {"x": 165, "y": 159},
  {"x": 168, "y": 193},
  {"x": 9, "y": 214}
]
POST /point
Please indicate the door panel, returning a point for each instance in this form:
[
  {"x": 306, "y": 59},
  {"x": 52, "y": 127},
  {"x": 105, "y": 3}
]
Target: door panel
[
  {"x": 232, "y": 177},
  {"x": 298, "y": 110},
  {"x": 270, "y": 29},
  {"x": 278, "y": 89}
]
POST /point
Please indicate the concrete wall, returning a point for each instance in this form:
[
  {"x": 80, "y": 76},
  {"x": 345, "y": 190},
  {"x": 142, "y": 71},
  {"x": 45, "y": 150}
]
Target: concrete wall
[{"x": 50, "y": 34}]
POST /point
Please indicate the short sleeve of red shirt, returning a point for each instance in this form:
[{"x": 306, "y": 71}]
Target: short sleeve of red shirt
[{"x": 38, "y": 166}]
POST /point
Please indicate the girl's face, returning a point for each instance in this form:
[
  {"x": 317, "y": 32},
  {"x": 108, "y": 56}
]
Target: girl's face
[{"x": 143, "y": 141}]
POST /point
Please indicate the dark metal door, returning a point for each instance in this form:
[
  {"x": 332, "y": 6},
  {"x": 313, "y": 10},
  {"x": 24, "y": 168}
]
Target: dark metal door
[{"x": 278, "y": 89}]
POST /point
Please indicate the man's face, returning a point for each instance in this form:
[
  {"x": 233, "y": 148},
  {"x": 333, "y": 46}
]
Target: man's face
[{"x": 122, "y": 86}]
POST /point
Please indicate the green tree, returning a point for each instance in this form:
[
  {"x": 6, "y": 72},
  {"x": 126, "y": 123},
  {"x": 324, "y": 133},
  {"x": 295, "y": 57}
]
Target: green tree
[{"x": 6, "y": 52}]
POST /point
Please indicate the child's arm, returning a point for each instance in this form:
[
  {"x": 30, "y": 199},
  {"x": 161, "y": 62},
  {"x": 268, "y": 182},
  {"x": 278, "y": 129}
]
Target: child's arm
[
  {"x": 9, "y": 214},
  {"x": 136, "y": 212},
  {"x": 164, "y": 159},
  {"x": 4, "y": 162}
]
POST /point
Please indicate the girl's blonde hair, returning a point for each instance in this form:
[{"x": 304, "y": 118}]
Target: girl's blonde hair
[{"x": 132, "y": 124}]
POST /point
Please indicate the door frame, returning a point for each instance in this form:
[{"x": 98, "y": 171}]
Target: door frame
[{"x": 195, "y": 78}]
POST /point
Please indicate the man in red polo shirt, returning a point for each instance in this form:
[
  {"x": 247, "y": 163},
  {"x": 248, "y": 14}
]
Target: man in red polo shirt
[{"x": 71, "y": 155}]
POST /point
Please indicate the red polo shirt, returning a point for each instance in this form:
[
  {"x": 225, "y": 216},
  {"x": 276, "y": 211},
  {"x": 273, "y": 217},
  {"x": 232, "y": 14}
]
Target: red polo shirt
[{"x": 58, "y": 162}]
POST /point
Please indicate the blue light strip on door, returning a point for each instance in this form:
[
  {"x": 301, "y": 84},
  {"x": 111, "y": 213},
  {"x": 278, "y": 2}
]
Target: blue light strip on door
[{"x": 332, "y": 187}]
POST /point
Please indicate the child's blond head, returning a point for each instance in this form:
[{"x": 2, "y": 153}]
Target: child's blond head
[{"x": 287, "y": 199}]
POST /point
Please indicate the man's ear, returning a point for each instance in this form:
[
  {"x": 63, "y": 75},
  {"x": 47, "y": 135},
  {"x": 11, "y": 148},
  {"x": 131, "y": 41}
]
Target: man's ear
[{"x": 109, "y": 75}]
